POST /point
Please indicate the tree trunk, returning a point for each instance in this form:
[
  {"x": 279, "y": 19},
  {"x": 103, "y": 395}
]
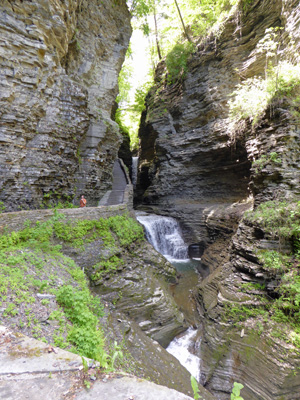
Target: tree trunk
[
  {"x": 183, "y": 25},
  {"x": 156, "y": 32}
]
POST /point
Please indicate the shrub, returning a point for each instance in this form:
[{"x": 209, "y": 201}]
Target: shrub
[
  {"x": 176, "y": 61},
  {"x": 251, "y": 98},
  {"x": 83, "y": 311}
]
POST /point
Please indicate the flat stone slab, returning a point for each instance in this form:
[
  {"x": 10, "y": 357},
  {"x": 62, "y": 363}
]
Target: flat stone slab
[
  {"x": 20, "y": 354},
  {"x": 38, "y": 386},
  {"x": 30, "y": 369},
  {"x": 130, "y": 388}
]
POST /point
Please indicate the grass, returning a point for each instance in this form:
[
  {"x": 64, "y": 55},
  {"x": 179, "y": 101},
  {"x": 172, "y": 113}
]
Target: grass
[{"x": 32, "y": 263}]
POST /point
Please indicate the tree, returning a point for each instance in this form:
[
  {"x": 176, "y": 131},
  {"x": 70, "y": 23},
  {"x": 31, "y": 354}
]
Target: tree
[
  {"x": 156, "y": 31},
  {"x": 182, "y": 22}
]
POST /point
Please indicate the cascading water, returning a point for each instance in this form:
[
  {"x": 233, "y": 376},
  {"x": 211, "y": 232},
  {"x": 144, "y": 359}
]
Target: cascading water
[
  {"x": 134, "y": 167},
  {"x": 165, "y": 236},
  {"x": 179, "y": 348}
]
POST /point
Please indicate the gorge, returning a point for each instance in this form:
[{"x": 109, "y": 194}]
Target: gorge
[{"x": 229, "y": 184}]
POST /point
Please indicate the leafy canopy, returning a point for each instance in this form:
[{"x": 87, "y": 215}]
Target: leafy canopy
[{"x": 166, "y": 24}]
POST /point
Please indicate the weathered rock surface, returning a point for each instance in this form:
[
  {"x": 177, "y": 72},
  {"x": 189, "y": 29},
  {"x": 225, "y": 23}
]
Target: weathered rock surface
[
  {"x": 59, "y": 67},
  {"x": 196, "y": 166},
  {"x": 29, "y": 370},
  {"x": 139, "y": 288},
  {"x": 150, "y": 359},
  {"x": 250, "y": 353}
]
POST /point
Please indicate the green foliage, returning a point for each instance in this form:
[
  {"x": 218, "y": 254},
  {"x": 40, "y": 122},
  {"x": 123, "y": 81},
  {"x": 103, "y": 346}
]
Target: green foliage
[
  {"x": 2, "y": 207},
  {"x": 127, "y": 229},
  {"x": 176, "y": 61},
  {"x": 83, "y": 231},
  {"x": 116, "y": 353},
  {"x": 106, "y": 267},
  {"x": 240, "y": 313},
  {"x": 195, "y": 388},
  {"x": 140, "y": 8},
  {"x": 272, "y": 260},
  {"x": 280, "y": 220},
  {"x": 83, "y": 311},
  {"x": 282, "y": 79},
  {"x": 66, "y": 204},
  {"x": 42, "y": 234},
  {"x": 269, "y": 44},
  {"x": 27, "y": 261},
  {"x": 264, "y": 160},
  {"x": 124, "y": 79},
  {"x": 199, "y": 17},
  {"x": 236, "y": 391},
  {"x": 129, "y": 112},
  {"x": 250, "y": 286},
  {"x": 250, "y": 100}
]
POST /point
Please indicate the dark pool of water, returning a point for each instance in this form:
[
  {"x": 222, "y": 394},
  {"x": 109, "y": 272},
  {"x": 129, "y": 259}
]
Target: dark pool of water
[{"x": 190, "y": 274}]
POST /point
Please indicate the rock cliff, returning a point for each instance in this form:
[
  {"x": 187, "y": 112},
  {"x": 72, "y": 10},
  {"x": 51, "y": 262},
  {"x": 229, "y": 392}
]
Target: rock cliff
[
  {"x": 199, "y": 168},
  {"x": 59, "y": 67}
]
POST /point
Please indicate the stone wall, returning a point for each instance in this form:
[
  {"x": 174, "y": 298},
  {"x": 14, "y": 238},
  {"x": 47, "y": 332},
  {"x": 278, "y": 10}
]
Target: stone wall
[
  {"x": 59, "y": 65},
  {"x": 14, "y": 221}
]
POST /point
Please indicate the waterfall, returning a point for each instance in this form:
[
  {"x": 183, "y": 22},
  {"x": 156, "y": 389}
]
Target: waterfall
[
  {"x": 165, "y": 236},
  {"x": 134, "y": 168},
  {"x": 179, "y": 348}
]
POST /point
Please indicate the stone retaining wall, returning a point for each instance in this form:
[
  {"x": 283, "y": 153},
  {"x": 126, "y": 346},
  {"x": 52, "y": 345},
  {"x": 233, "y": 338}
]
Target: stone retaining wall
[{"x": 14, "y": 221}]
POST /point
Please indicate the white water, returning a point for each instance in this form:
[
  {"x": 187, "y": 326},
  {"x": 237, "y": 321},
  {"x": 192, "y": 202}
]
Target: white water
[
  {"x": 134, "y": 168},
  {"x": 179, "y": 348},
  {"x": 165, "y": 236}
]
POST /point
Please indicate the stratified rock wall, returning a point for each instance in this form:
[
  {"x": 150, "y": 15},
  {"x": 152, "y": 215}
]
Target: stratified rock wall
[
  {"x": 59, "y": 66},
  {"x": 191, "y": 161},
  {"x": 198, "y": 166}
]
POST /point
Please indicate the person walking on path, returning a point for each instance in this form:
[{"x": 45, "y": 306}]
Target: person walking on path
[{"x": 82, "y": 201}]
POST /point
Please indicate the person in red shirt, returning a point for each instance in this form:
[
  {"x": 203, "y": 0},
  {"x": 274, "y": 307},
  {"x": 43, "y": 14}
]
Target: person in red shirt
[{"x": 82, "y": 201}]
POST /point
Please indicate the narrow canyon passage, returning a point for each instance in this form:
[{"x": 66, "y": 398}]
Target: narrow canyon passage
[{"x": 166, "y": 237}]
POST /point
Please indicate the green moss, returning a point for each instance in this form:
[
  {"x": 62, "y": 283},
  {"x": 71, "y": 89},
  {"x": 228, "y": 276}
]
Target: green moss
[
  {"x": 32, "y": 262},
  {"x": 107, "y": 267},
  {"x": 281, "y": 220}
]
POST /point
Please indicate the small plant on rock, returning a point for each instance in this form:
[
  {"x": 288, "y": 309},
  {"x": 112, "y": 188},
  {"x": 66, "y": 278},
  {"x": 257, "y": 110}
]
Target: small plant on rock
[
  {"x": 195, "y": 388},
  {"x": 236, "y": 390}
]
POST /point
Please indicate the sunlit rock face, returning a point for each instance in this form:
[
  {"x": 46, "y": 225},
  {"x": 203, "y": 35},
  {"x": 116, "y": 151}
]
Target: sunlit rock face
[
  {"x": 197, "y": 167},
  {"x": 59, "y": 67},
  {"x": 192, "y": 159}
]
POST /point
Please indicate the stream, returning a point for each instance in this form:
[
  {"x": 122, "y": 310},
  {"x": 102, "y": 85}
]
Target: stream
[{"x": 165, "y": 236}]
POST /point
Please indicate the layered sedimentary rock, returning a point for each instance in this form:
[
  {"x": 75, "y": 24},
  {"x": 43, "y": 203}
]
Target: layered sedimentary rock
[
  {"x": 192, "y": 159},
  {"x": 199, "y": 167},
  {"x": 59, "y": 67},
  {"x": 139, "y": 288}
]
